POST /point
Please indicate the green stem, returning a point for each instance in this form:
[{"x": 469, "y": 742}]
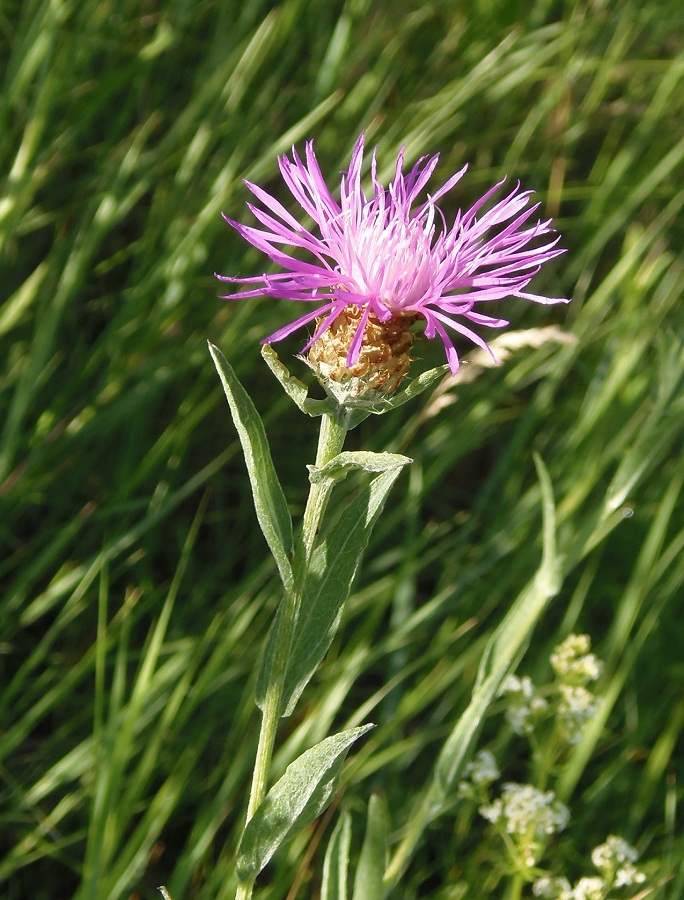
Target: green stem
[
  {"x": 429, "y": 809},
  {"x": 516, "y": 886},
  {"x": 330, "y": 442}
]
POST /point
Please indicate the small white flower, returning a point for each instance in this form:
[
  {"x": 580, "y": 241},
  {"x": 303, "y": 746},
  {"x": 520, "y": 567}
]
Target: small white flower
[
  {"x": 615, "y": 851},
  {"x": 615, "y": 860},
  {"x": 628, "y": 875},
  {"x": 572, "y": 662},
  {"x": 588, "y": 889},
  {"x": 483, "y": 769},
  {"x": 528, "y": 814},
  {"x": 465, "y": 791},
  {"x": 525, "y": 706},
  {"x": 551, "y": 888},
  {"x": 526, "y": 807},
  {"x": 514, "y": 685},
  {"x": 575, "y": 707},
  {"x": 492, "y": 813}
]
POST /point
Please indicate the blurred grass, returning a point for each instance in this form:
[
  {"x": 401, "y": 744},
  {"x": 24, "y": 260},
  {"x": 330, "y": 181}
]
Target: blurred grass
[{"x": 136, "y": 590}]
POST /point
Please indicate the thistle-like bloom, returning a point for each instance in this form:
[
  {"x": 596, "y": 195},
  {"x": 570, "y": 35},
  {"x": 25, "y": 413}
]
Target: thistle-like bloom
[{"x": 388, "y": 262}]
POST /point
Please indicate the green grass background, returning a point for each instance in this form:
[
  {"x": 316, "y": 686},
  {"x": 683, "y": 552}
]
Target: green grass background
[{"x": 135, "y": 585}]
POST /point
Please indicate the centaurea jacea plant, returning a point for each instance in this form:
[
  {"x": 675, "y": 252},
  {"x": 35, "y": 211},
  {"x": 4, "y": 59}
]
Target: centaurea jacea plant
[{"x": 376, "y": 264}]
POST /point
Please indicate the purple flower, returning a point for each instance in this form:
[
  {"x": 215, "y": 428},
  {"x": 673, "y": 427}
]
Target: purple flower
[{"x": 389, "y": 260}]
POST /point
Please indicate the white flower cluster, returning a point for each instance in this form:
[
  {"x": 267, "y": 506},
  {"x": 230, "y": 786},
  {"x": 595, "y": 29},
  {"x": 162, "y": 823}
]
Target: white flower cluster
[
  {"x": 526, "y": 817},
  {"x": 527, "y": 813},
  {"x": 590, "y": 888},
  {"x": 525, "y": 706},
  {"x": 576, "y": 705},
  {"x": 615, "y": 861},
  {"x": 550, "y": 888},
  {"x": 573, "y": 663},
  {"x": 483, "y": 769},
  {"x": 478, "y": 775},
  {"x": 560, "y": 889},
  {"x": 575, "y": 667}
]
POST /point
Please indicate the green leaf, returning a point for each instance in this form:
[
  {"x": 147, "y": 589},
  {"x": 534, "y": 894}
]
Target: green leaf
[
  {"x": 295, "y": 800},
  {"x": 336, "y": 863},
  {"x": 505, "y": 647},
  {"x": 327, "y": 585},
  {"x": 368, "y": 883},
  {"x": 269, "y": 500},
  {"x": 340, "y": 466},
  {"x": 295, "y": 389}
]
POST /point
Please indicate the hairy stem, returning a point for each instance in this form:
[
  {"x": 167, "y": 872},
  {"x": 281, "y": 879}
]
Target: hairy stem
[{"x": 330, "y": 442}]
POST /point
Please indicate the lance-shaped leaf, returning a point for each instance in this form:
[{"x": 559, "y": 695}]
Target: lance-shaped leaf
[
  {"x": 368, "y": 883},
  {"x": 336, "y": 862},
  {"x": 506, "y": 646},
  {"x": 269, "y": 499},
  {"x": 294, "y": 801},
  {"x": 327, "y": 584},
  {"x": 340, "y": 466}
]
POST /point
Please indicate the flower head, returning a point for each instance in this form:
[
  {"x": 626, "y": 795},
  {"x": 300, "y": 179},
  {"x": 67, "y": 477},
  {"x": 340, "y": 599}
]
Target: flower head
[
  {"x": 550, "y": 888},
  {"x": 576, "y": 706},
  {"x": 529, "y": 815},
  {"x": 479, "y": 773},
  {"x": 615, "y": 861},
  {"x": 392, "y": 257},
  {"x": 524, "y": 705},
  {"x": 573, "y": 663},
  {"x": 587, "y": 888}
]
